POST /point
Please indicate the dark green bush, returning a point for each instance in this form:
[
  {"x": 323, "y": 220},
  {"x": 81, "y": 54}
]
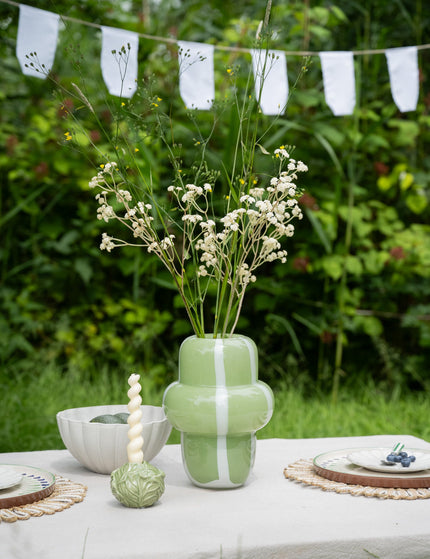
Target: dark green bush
[{"x": 353, "y": 300}]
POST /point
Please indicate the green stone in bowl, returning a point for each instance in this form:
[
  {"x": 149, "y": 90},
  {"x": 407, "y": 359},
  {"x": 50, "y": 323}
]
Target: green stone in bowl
[{"x": 109, "y": 419}]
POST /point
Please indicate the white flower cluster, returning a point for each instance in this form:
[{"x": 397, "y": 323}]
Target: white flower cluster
[
  {"x": 247, "y": 236},
  {"x": 257, "y": 226},
  {"x": 106, "y": 243},
  {"x": 100, "y": 178},
  {"x": 137, "y": 218}
]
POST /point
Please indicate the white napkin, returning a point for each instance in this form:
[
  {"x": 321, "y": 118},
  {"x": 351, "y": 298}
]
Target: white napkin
[
  {"x": 404, "y": 77},
  {"x": 339, "y": 81},
  {"x": 196, "y": 74},
  {"x": 271, "y": 81},
  {"x": 37, "y": 32},
  {"x": 119, "y": 70}
]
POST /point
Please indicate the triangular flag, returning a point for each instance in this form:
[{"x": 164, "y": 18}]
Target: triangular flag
[
  {"x": 271, "y": 81},
  {"x": 38, "y": 34},
  {"x": 404, "y": 77},
  {"x": 339, "y": 81},
  {"x": 196, "y": 74},
  {"x": 119, "y": 61}
]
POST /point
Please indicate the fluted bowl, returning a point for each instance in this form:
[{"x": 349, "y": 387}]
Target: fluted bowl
[{"x": 102, "y": 447}]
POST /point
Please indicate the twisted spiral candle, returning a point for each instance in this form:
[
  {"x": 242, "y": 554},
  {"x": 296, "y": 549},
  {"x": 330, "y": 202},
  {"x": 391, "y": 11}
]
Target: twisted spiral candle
[{"x": 134, "y": 447}]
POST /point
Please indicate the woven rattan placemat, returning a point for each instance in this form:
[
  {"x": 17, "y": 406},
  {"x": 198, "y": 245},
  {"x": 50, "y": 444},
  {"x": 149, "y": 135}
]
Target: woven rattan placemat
[
  {"x": 303, "y": 472},
  {"x": 65, "y": 494}
]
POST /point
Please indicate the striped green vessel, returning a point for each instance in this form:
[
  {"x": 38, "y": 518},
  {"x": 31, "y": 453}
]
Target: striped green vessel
[{"x": 218, "y": 404}]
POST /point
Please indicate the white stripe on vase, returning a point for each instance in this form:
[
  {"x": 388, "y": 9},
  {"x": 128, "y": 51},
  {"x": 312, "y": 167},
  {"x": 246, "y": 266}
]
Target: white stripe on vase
[{"x": 221, "y": 406}]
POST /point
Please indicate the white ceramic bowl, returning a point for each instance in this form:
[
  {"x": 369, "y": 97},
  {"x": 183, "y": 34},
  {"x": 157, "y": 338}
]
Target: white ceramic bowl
[{"x": 102, "y": 447}]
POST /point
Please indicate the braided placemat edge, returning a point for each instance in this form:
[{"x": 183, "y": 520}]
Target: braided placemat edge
[
  {"x": 65, "y": 494},
  {"x": 303, "y": 471}
]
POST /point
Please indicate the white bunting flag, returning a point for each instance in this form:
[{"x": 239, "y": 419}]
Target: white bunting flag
[
  {"x": 196, "y": 74},
  {"x": 404, "y": 77},
  {"x": 339, "y": 81},
  {"x": 271, "y": 81},
  {"x": 119, "y": 68},
  {"x": 37, "y": 33}
]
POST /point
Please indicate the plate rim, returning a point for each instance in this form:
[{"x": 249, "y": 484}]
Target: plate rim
[
  {"x": 31, "y": 497},
  {"x": 379, "y": 479}
]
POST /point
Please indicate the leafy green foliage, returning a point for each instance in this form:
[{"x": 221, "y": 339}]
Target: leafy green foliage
[{"x": 357, "y": 281}]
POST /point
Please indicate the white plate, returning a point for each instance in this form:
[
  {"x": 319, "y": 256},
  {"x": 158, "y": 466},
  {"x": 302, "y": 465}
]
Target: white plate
[
  {"x": 371, "y": 459},
  {"x": 9, "y": 477}
]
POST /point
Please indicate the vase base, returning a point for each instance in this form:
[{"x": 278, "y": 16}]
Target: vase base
[{"x": 218, "y": 462}]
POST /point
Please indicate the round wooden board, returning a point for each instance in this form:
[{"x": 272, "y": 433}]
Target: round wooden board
[
  {"x": 36, "y": 484},
  {"x": 335, "y": 466}
]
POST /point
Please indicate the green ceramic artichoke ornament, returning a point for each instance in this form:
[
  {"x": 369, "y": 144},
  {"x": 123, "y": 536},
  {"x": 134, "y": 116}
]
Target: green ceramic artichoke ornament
[{"x": 137, "y": 485}]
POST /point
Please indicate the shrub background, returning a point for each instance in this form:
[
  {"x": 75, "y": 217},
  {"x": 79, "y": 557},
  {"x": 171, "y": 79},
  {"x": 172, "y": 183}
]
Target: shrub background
[{"x": 353, "y": 302}]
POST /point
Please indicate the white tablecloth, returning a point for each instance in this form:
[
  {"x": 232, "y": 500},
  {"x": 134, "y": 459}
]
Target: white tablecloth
[{"x": 270, "y": 517}]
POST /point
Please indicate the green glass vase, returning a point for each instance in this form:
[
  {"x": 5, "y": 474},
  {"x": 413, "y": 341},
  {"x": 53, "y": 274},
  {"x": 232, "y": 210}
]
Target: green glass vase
[{"x": 218, "y": 404}]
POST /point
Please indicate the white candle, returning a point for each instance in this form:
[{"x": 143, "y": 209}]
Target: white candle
[{"x": 134, "y": 447}]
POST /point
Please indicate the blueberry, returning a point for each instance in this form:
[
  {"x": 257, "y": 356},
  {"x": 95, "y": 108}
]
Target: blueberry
[
  {"x": 397, "y": 458},
  {"x": 406, "y": 462},
  {"x": 390, "y": 458},
  {"x": 412, "y": 458},
  {"x": 403, "y": 454}
]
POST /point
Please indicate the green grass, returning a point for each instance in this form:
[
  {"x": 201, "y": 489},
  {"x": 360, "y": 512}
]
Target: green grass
[
  {"x": 366, "y": 411},
  {"x": 29, "y": 404}
]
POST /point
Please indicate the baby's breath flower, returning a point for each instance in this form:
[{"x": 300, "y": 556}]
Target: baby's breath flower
[
  {"x": 202, "y": 271},
  {"x": 105, "y": 212},
  {"x": 192, "y": 218},
  {"x": 253, "y": 216},
  {"x": 264, "y": 205},
  {"x": 208, "y": 258},
  {"x": 94, "y": 182},
  {"x": 258, "y": 192},
  {"x": 282, "y": 153},
  {"x": 124, "y": 195},
  {"x": 141, "y": 228},
  {"x": 210, "y": 224},
  {"x": 106, "y": 243},
  {"x": 130, "y": 214},
  {"x": 167, "y": 242},
  {"x": 247, "y": 198},
  {"x": 245, "y": 276},
  {"x": 109, "y": 167}
]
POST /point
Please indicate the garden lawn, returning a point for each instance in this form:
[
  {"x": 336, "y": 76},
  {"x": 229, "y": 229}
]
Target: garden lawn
[{"x": 29, "y": 404}]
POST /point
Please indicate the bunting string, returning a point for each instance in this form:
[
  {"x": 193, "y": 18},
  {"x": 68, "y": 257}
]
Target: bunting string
[
  {"x": 38, "y": 32},
  {"x": 226, "y": 48}
]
